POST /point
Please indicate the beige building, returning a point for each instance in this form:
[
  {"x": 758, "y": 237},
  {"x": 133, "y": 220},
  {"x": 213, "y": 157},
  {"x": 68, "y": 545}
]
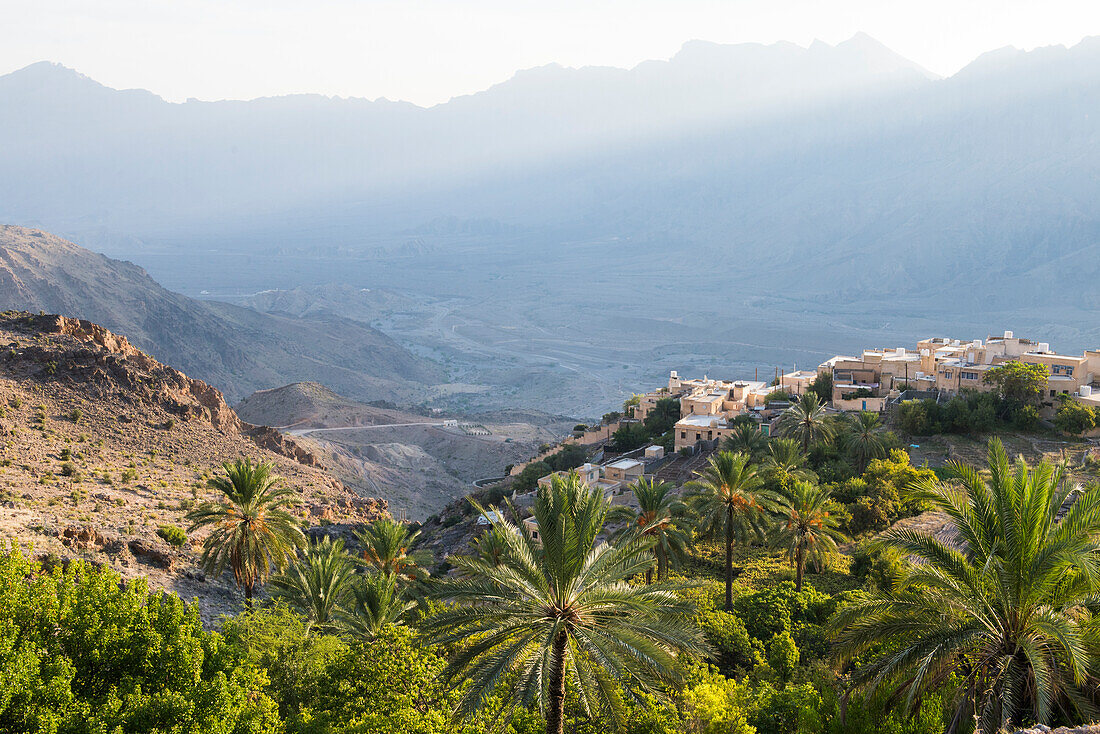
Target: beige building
[{"x": 594, "y": 475}]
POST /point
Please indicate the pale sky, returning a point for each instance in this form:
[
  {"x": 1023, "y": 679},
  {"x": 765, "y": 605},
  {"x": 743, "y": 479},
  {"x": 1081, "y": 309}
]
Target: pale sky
[{"x": 427, "y": 51}]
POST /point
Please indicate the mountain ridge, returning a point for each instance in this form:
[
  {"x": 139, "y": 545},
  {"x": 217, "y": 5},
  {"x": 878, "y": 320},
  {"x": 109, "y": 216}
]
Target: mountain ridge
[{"x": 227, "y": 345}]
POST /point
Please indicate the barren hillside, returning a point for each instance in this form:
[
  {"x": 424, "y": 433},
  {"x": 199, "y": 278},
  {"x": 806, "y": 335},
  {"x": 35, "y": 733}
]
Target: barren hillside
[
  {"x": 417, "y": 463},
  {"x": 103, "y": 445},
  {"x": 312, "y": 405}
]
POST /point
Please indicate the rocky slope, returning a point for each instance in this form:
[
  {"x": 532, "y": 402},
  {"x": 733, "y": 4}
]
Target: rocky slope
[
  {"x": 312, "y": 405},
  {"x": 103, "y": 445},
  {"x": 237, "y": 349},
  {"x": 417, "y": 462}
]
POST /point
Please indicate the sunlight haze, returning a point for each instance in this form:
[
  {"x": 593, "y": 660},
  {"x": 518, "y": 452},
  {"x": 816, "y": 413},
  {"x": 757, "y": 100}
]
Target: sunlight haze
[{"x": 427, "y": 51}]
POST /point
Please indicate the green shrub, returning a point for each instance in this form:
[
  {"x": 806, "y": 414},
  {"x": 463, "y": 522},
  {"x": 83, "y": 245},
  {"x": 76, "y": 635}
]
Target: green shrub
[
  {"x": 172, "y": 535},
  {"x": 794, "y": 709},
  {"x": 876, "y": 566},
  {"x": 735, "y": 649},
  {"x": 82, "y": 651},
  {"x": 783, "y": 655}
]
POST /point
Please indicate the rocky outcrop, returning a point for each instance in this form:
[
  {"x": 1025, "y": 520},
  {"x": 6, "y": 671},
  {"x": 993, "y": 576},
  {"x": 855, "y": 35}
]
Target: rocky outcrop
[
  {"x": 274, "y": 440},
  {"x": 152, "y": 552},
  {"x": 104, "y": 360}
]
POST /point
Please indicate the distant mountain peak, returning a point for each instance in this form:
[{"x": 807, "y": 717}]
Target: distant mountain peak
[{"x": 52, "y": 72}]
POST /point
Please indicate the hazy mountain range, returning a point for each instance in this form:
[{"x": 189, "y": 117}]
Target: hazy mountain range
[{"x": 840, "y": 190}]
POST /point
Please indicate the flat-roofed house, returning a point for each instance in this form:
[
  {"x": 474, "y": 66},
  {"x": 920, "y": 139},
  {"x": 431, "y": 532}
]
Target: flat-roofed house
[{"x": 624, "y": 470}]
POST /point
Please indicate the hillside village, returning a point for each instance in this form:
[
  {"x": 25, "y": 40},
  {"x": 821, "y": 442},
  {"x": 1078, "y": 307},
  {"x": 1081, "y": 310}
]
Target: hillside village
[{"x": 878, "y": 380}]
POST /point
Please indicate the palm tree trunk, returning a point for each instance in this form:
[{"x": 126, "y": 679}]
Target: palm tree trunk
[
  {"x": 555, "y": 716},
  {"x": 649, "y": 576},
  {"x": 662, "y": 563},
  {"x": 729, "y": 558},
  {"x": 800, "y": 562},
  {"x": 248, "y": 596}
]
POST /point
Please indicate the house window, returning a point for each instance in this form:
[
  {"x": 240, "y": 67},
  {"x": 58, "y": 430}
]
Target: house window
[
  {"x": 947, "y": 374},
  {"x": 1052, "y": 393},
  {"x": 683, "y": 434}
]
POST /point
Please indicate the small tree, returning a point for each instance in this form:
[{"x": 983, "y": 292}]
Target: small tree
[
  {"x": 662, "y": 517},
  {"x": 863, "y": 439},
  {"x": 252, "y": 529},
  {"x": 1074, "y": 418},
  {"x": 728, "y": 497},
  {"x": 807, "y": 527},
  {"x": 663, "y": 416},
  {"x": 386, "y": 547},
  {"x": 805, "y": 421},
  {"x": 1019, "y": 383},
  {"x": 822, "y": 386},
  {"x": 318, "y": 582},
  {"x": 562, "y": 611}
]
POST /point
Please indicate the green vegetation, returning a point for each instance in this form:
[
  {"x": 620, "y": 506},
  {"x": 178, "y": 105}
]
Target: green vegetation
[
  {"x": 251, "y": 528},
  {"x": 777, "y": 396},
  {"x": 560, "y": 609},
  {"x": 570, "y": 456},
  {"x": 657, "y": 427},
  {"x": 1005, "y": 618},
  {"x": 807, "y": 525},
  {"x": 1073, "y": 417},
  {"x": 822, "y": 386},
  {"x": 730, "y": 502},
  {"x": 319, "y": 584},
  {"x": 726, "y": 607},
  {"x": 805, "y": 421},
  {"x": 661, "y": 517},
  {"x": 172, "y": 535},
  {"x": 386, "y": 547}
]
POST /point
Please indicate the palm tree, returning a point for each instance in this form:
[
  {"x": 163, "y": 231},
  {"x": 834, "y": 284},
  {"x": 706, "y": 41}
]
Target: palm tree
[
  {"x": 318, "y": 582},
  {"x": 748, "y": 439},
  {"x": 374, "y": 603},
  {"x": 785, "y": 463},
  {"x": 662, "y": 516},
  {"x": 386, "y": 548},
  {"x": 252, "y": 530},
  {"x": 863, "y": 438},
  {"x": 491, "y": 545},
  {"x": 562, "y": 609},
  {"x": 730, "y": 502},
  {"x": 1006, "y": 608},
  {"x": 805, "y": 421},
  {"x": 806, "y": 527}
]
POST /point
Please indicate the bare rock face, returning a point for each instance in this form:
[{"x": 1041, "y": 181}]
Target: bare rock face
[
  {"x": 152, "y": 552},
  {"x": 83, "y": 537},
  {"x": 273, "y": 440},
  {"x": 107, "y": 357}
]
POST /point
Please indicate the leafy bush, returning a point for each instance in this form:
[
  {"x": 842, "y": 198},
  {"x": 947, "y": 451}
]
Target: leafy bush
[
  {"x": 777, "y": 396},
  {"x": 172, "y": 535},
  {"x": 876, "y": 566},
  {"x": 1074, "y": 418},
  {"x": 783, "y": 655},
  {"x": 734, "y": 648},
  {"x": 82, "y": 652}
]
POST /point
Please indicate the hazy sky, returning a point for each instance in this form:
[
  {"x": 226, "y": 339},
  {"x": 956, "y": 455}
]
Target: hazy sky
[{"x": 426, "y": 51}]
